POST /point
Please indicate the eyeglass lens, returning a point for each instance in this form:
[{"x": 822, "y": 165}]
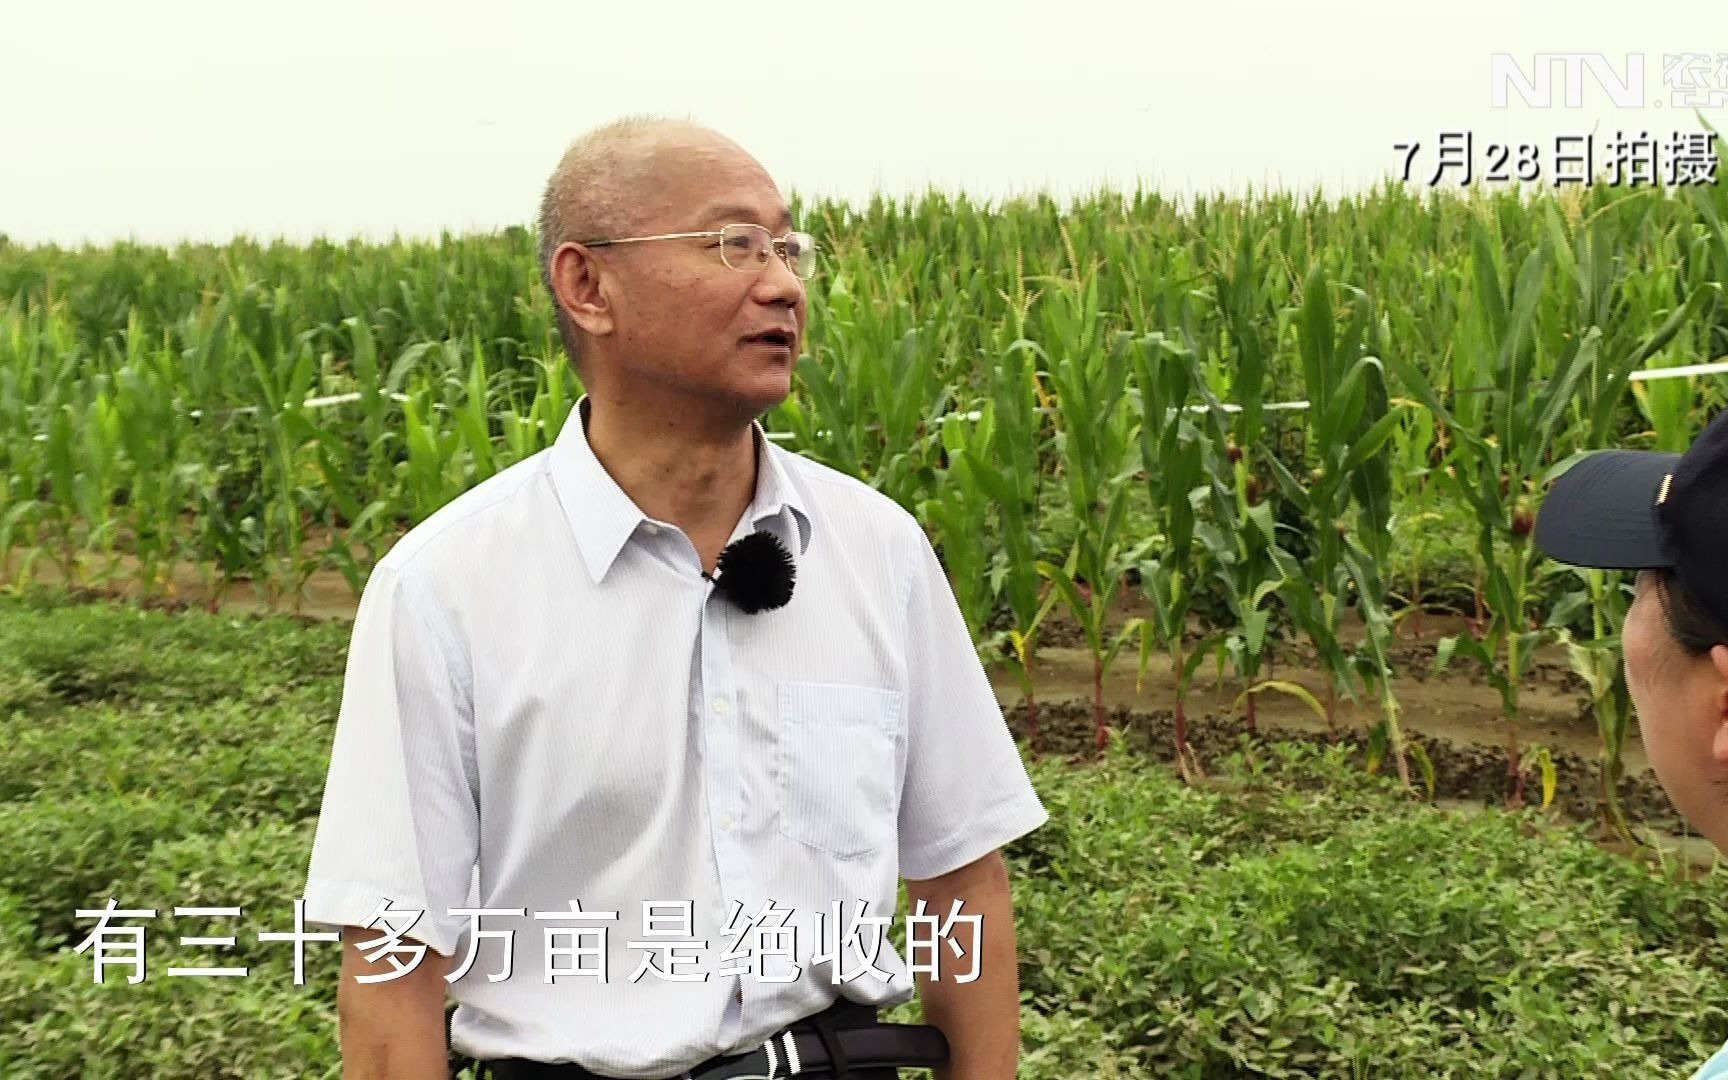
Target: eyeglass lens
[{"x": 747, "y": 247}]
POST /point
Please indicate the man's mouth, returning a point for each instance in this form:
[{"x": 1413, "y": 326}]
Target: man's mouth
[{"x": 783, "y": 338}]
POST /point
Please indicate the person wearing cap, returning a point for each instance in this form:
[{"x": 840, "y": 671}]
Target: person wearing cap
[
  {"x": 1664, "y": 515},
  {"x": 573, "y": 768}
]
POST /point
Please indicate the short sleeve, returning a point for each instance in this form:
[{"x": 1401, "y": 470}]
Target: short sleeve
[
  {"x": 966, "y": 791},
  {"x": 1714, "y": 1069},
  {"x": 400, "y": 814}
]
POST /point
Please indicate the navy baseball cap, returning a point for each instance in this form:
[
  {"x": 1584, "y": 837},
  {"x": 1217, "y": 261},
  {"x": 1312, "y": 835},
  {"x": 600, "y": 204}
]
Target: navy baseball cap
[{"x": 1644, "y": 510}]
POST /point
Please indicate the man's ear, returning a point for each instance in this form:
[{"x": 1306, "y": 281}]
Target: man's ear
[
  {"x": 1719, "y": 701},
  {"x": 576, "y": 281}
]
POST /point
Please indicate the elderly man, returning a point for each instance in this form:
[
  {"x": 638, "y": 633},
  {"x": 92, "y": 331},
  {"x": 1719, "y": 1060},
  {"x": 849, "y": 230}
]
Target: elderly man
[{"x": 646, "y": 829}]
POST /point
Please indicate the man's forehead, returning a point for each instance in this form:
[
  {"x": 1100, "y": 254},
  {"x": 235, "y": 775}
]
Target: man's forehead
[
  {"x": 704, "y": 180},
  {"x": 726, "y": 211}
]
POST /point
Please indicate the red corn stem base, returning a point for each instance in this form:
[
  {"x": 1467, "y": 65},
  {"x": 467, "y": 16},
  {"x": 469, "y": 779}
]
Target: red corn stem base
[{"x": 1102, "y": 736}]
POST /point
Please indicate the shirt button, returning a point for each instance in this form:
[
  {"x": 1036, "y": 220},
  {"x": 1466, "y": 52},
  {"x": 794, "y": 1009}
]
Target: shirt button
[
  {"x": 651, "y": 529},
  {"x": 719, "y": 706},
  {"x": 727, "y": 822}
]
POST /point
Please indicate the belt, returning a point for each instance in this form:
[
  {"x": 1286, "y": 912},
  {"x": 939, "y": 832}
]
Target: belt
[{"x": 842, "y": 1040}]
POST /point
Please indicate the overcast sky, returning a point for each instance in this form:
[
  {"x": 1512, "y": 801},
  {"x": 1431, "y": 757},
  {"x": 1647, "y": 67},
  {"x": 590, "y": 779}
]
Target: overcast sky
[{"x": 200, "y": 119}]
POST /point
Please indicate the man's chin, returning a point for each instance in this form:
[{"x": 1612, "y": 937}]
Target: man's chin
[
  {"x": 763, "y": 393},
  {"x": 766, "y": 402},
  {"x": 773, "y": 384}
]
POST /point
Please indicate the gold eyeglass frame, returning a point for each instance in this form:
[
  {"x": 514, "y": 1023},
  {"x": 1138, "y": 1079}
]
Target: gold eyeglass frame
[{"x": 777, "y": 244}]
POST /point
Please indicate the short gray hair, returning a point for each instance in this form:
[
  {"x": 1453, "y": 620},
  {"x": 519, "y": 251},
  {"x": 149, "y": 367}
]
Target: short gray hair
[{"x": 585, "y": 198}]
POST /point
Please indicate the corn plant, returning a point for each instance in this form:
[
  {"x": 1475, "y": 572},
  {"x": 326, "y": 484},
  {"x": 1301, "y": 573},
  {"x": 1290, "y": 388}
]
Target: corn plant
[
  {"x": 1635, "y": 314},
  {"x": 1710, "y": 203},
  {"x": 1366, "y": 553},
  {"x": 1523, "y": 424},
  {"x": 874, "y": 397},
  {"x": 20, "y": 453},
  {"x": 1174, "y": 454},
  {"x": 280, "y": 395},
  {"x": 1667, "y": 404},
  {"x": 1094, "y": 442},
  {"x": 1008, "y": 469},
  {"x": 1351, "y": 422},
  {"x": 1416, "y": 501},
  {"x": 958, "y": 516},
  {"x": 228, "y": 541},
  {"x": 433, "y": 451},
  {"x": 96, "y": 447},
  {"x": 1597, "y": 660},
  {"x": 1240, "y": 538},
  {"x": 152, "y": 440},
  {"x": 380, "y": 418}
]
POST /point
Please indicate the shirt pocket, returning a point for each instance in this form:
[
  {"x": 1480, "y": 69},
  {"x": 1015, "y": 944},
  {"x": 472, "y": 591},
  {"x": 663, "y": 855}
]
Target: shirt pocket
[{"x": 836, "y": 761}]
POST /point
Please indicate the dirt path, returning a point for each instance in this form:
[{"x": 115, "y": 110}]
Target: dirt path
[{"x": 325, "y": 596}]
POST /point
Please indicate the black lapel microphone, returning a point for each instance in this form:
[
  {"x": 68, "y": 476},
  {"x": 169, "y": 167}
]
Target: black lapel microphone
[{"x": 756, "y": 572}]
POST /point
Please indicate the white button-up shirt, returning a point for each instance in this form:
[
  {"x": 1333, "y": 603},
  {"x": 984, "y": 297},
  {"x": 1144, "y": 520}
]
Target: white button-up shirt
[{"x": 546, "y": 705}]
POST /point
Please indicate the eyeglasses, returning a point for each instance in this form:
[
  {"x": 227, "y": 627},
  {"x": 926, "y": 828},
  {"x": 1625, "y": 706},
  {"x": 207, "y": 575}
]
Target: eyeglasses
[{"x": 746, "y": 247}]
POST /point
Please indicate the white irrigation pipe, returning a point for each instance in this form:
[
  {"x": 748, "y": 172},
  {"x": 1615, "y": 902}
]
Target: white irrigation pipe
[
  {"x": 1643, "y": 375},
  {"x": 343, "y": 399},
  {"x": 1646, "y": 374}
]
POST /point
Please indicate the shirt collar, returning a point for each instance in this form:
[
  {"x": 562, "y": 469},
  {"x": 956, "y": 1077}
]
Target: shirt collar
[{"x": 603, "y": 517}]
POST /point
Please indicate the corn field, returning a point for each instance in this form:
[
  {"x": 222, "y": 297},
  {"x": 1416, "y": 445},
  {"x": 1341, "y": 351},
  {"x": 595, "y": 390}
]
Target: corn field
[{"x": 1078, "y": 402}]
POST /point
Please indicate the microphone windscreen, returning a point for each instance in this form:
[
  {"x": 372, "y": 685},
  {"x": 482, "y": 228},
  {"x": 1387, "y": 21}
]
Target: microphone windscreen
[{"x": 756, "y": 572}]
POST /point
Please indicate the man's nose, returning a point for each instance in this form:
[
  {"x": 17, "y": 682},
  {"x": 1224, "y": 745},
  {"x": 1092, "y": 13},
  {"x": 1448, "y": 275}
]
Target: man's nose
[{"x": 778, "y": 284}]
